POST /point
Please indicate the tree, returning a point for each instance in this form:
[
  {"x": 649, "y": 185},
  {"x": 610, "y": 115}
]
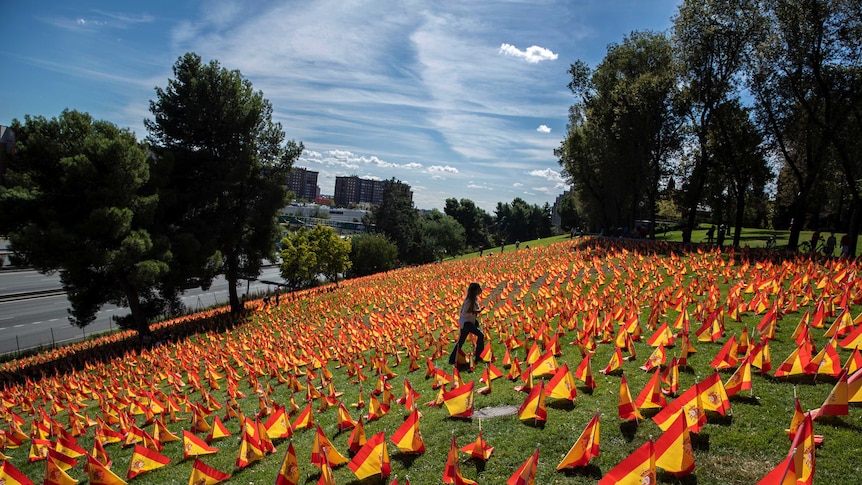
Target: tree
[
  {"x": 622, "y": 130},
  {"x": 227, "y": 164},
  {"x": 737, "y": 146},
  {"x": 711, "y": 39},
  {"x": 568, "y": 212},
  {"x": 333, "y": 252},
  {"x": 299, "y": 266},
  {"x": 476, "y": 222},
  {"x": 397, "y": 219},
  {"x": 371, "y": 253},
  {"x": 520, "y": 221},
  {"x": 308, "y": 253},
  {"x": 441, "y": 236},
  {"x": 805, "y": 78},
  {"x": 75, "y": 202}
]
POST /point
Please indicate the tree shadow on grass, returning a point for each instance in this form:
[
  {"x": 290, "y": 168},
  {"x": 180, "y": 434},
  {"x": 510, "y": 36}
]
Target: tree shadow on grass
[
  {"x": 628, "y": 429},
  {"x": 590, "y": 471},
  {"x": 750, "y": 400},
  {"x": 563, "y": 404},
  {"x": 406, "y": 459},
  {"x": 665, "y": 477},
  {"x": 838, "y": 422},
  {"x": 700, "y": 441}
]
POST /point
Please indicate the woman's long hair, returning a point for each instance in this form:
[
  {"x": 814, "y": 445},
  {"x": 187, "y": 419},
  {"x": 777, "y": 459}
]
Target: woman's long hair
[{"x": 473, "y": 292}]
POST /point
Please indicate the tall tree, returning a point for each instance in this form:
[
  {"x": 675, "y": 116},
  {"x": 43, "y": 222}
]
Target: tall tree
[
  {"x": 737, "y": 146},
  {"x": 802, "y": 75},
  {"x": 476, "y": 222},
  {"x": 711, "y": 39},
  {"x": 396, "y": 217},
  {"x": 623, "y": 129},
  {"x": 441, "y": 236},
  {"x": 371, "y": 253},
  {"x": 75, "y": 203},
  {"x": 229, "y": 159}
]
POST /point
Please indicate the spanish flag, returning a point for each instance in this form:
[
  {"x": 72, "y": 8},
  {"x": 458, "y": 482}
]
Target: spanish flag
[
  {"x": 534, "y": 406},
  {"x": 372, "y": 458},
  {"x": 407, "y": 437},
  {"x": 357, "y": 437},
  {"x": 55, "y": 469},
  {"x": 144, "y": 460},
  {"x": 459, "y": 401},
  {"x": 854, "y": 387},
  {"x": 836, "y": 403},
  {"x": 250, "y": 450},
  {"x": 479, "y": 448},
  {"x": 626, "y": 408},
  {"x": 288, "y": 474},
  {"x": 638, "y": 467},
  {"x": 219, "y": 430},
  {"x": 713, "y": 395},
  {"x": 452, "y": 471},
  {"x": 526, "y": 473},
  {"x": 100, "y": 474},
  {"x": 203, "y": 474},
  {"x": 12, "y": 476},
  {"x": 651, "y": 396},
  {"x": 673, "y": 451},
  {"x": 305, "y": 419},
  {"x": 323, "y": 451},
  {"x": 585, "y": 448},
  {"x": 194, "y": 446},
  {"x": 562, "y": 385},
  {"x": 688, "y": 403},
  {"x": 276, "y": 424}
]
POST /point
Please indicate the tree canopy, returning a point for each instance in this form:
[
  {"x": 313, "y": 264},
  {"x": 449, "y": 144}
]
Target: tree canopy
[
  {"x": 226, "y": 165},
  {"x": 76, "y": 202}
]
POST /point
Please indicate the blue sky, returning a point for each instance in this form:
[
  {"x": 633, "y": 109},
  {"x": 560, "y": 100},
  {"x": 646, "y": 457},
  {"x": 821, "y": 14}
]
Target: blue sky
[{"x": 463, "y": 99}]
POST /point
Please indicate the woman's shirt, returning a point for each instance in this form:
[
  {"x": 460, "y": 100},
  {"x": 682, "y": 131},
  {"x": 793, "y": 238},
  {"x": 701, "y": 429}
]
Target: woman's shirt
[{"x": 469, "y": 310}]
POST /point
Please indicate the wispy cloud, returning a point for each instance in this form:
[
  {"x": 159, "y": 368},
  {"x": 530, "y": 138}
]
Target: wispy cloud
[
  {"x": 442, "y": 169},
  {"x": 534, "y": 54}
]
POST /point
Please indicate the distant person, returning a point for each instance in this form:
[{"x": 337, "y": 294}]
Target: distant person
[
  {"x": 722, "y": 231},
  {"x": 815, "y": 238},
  {"x": 829, "y": 249},
  {"x": 468, "y": 322},
  {"x": 502, "y": 246},
  {"x": 517, "y": 244},
  {"x": 845, "y": 246},
  {"x": 710, "y": 234}
]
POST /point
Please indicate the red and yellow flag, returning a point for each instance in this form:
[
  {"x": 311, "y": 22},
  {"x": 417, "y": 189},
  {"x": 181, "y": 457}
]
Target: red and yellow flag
[
  {"x": 526, "y": 473},
  {"x": 562, "y": 385},
  {"x": 637, "y": 468},
  {"x": 673, "y": 451},
  {"x": 194, "y": 446},
  {"x": 585, "y": 448},
  {"x": 288, "y": 474},
  {"x": 479, "y": 449},
  {"x": 323, "y": 451},
  {"x": 407, "y": 437},
  {"x": 372, "y": 458},
  {"x": 12, "y": 476},
  {"x": 55, "y": 470},
  {"x": 143, "y": 460},
  {"x": 203, "y": 474},
  {"x": 100, "y": 474},
  {"x": 626, "y": 408},
  {"x": 459, "y": 401},
  {"x": 533, "y": 406},
  {"x": 452, "y": 471}
]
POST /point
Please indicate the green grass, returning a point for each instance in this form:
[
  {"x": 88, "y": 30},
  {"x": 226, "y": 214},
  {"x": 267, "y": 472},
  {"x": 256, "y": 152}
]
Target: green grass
[{"x": 737, "y": 449}]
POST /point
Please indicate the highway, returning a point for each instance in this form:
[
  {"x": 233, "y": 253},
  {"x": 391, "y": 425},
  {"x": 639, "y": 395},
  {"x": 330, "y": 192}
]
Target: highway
[{"x": 39, "y": 320}]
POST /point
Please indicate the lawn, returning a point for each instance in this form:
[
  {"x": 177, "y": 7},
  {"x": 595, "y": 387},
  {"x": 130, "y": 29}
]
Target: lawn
[{"x": 343, "y": 338}]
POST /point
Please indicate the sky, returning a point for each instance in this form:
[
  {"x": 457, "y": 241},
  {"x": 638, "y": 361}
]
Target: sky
[{"x": 463, "y": 99}]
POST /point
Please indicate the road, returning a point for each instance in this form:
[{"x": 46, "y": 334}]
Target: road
[{"x": 31, "y": 322}]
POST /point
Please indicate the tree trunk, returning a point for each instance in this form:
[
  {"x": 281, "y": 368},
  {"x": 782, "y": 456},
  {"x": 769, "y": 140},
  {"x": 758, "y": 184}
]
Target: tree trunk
[
  {"x": 853, "y": 230},
  {"x": 134, "y": 299},
  {"x": 231, "y": 272},
  {"x": 740, "y": 215}
]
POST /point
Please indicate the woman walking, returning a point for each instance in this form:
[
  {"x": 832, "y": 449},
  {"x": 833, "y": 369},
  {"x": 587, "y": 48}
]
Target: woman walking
[{"x": 468, "y": 323}]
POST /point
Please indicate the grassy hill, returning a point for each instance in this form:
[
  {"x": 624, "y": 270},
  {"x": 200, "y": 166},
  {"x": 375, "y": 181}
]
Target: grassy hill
[{"x": 342, "y": 338}]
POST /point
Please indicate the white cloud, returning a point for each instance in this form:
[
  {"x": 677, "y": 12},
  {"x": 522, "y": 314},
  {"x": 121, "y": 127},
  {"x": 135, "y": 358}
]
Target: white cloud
[
  {"x": 446, "y": 169},
  {"x": 534, "y": 54},
  {"x": 517, "y": 185},
  {"x": 548, "y": 174},
  {"x": 543, "y": 129}
]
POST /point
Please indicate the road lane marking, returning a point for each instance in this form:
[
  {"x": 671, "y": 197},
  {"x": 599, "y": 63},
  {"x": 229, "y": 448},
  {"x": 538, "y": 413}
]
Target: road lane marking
[
  {"x": 35, "y": 323},
  {"x": 53, "y": 319},
  {"x": 2, "y": 328},
  {"x": 19, "y": 325}
]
